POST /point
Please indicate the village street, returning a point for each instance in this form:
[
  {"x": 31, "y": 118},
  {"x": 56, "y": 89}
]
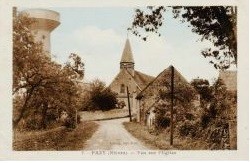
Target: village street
[{"x": 111, "y": 135}]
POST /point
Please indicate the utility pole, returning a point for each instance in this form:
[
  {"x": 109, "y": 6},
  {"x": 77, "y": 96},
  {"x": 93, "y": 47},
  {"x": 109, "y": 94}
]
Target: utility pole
[
  {"x": 129, "y": 109},
  {"x": 172, "y": 106}
]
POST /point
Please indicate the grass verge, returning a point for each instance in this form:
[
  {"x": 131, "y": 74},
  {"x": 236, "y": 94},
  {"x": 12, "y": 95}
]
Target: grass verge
[
  {"x": 161, "y": 141},
  {"x": 150, "y": 140},
  {"x": 59, "y": 139}
]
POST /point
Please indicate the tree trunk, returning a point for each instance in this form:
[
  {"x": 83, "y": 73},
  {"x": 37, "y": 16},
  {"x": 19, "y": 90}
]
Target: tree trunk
[
  {"x": 23, "y": 109},
  {"x": 44, "y": 114}
]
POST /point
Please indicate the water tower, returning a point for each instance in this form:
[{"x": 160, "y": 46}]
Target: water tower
[{"x": 45, "y": 22}]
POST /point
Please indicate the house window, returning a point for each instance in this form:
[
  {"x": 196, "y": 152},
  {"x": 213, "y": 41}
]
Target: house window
[{"x": 122, "y": 88}]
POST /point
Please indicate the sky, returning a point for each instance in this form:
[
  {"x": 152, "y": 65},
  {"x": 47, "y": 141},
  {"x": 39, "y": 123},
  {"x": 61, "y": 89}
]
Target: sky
[{"x": 98, "y": 35}]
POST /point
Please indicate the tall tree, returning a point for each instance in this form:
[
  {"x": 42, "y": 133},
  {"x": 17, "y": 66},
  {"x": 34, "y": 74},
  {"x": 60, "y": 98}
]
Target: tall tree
[
  {"x": 204, "y": 89},
  {"x": 214, "y": 23},
  {"x": 39, "y": 84}
]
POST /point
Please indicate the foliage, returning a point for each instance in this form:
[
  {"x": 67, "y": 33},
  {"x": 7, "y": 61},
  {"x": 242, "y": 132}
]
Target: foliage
[
  {"x": 76, "y": 65},
  {"x": 214, "y": 23},
  {"x": 41, "y": 87},
  {"x": 183, "y": 92},
  {"x": 204, "y": 89},
  {"x": 55, "y": 139},
  {"x": 183, "y": 96},
  {"x": 218, "y": 105},
  {"x": 162, "y": 122},
  {"x": 100, "y": 97},
  {"x": 121, "y": 104},
  {"x": 209, "y": 123},
  {"x": 188, "y": 128},
  {"x": 213, "y": 125}
]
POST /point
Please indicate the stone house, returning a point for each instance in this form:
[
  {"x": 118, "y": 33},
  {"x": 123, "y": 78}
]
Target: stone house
[
  {"x": 229, "y": 78},
  {"x": 129, "y": 77},
  {"x": 149, "y": 98}
]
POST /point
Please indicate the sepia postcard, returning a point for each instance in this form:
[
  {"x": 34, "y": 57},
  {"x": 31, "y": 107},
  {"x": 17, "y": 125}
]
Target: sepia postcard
[{"x": 124, "y": 80}]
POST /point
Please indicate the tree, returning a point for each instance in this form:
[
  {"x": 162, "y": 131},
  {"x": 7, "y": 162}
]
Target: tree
[
  {"x": 40, "y": 86},
  {"x": 101, "y": 97},
  {"x": 204, "y": 89},
  {"x": 183, "y": 96},
  {"x": 214, "y": 23},
  {"x": 76, "y": 65}
]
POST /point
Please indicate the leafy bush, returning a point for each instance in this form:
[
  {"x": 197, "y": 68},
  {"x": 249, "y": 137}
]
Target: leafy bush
[
  {"x": 121, "y": 104},
  {"x": 205, "y": 119},
  {"x": 100, "y": 97},
  {"x": 188, "y": 128},
  {"x": 70, "y": 122},
  {"x": 32, "y": 124},
  {"x": 189, "y": 116},
  {"x": 163, "y": 122},
  {"x": 105, "y": 100}
]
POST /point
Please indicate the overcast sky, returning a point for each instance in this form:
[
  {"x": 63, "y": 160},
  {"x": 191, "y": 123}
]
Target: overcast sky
[{"x": 98, "y": 35}]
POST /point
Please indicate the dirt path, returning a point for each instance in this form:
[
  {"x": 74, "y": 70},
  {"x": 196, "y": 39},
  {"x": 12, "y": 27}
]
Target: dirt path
[{"x": 111, "y": 135}]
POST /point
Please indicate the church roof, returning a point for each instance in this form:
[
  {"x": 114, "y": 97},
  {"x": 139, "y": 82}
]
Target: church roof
[
  {"x": 230, "y": 79},
  {"x": 142, "y": 79},
  {"x": 127, "y": 55}
]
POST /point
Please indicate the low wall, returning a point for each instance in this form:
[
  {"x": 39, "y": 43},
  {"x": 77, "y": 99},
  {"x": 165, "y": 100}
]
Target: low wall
[{"x": 99, "y": 115}]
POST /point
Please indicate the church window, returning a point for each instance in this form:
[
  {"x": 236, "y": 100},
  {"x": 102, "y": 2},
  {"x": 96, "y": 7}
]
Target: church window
[{"x": 122, "y": 88}]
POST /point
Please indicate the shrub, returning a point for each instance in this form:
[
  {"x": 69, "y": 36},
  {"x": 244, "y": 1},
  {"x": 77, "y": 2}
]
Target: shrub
[
  {"x": 70, "y": 122},
  {"x": 189, "y": 116},
  {"x": 162, "y": 122},
  {"x": 100, "y": 97},
  {"x": 205, "y": 119},
  {"x": 121, "y": 104},
  {"x": 188, "y": 128},
  {"x": 32, "y": 124}
]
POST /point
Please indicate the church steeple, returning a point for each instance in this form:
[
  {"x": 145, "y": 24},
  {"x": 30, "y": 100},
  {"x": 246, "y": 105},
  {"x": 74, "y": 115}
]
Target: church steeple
[{"x": 127, "y": 60}]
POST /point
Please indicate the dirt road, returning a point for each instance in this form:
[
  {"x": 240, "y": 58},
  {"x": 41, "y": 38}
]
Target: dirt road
[{"x": 111, "y": 135}]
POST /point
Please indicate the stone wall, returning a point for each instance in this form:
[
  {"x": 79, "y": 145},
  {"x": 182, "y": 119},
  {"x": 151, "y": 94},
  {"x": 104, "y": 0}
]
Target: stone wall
[{"x": 102, "y": 115}]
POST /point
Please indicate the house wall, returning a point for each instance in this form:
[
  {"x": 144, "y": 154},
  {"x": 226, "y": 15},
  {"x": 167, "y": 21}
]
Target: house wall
[
  {"x": 149, "y": 97},
  {"x": 124, "y": 78},
  {"x": 230, "y": 79}
]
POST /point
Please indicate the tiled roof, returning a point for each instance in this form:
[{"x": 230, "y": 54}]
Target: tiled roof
[
  {"x": 142, "y": 79},
  {"x": 164, "y": 76}
]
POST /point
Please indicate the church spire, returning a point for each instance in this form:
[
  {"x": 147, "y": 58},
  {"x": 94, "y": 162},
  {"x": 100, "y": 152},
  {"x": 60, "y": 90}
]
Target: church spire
[
  {"x": 127, "y": 56},
  {"x": 127, "y": 60}
]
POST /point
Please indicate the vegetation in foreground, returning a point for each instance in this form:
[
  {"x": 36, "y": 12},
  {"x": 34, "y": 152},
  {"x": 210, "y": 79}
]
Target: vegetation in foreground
[
  {"x": 141, "y": 133},
  {"x": 212, "y": 127},
  {"x": 58, "y": 139},
  {"x": 160, "y": 141},
  {"x": 42, "y": 88}
]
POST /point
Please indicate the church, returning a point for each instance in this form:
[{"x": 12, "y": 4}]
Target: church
[{"x": 129, "y": 77}]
